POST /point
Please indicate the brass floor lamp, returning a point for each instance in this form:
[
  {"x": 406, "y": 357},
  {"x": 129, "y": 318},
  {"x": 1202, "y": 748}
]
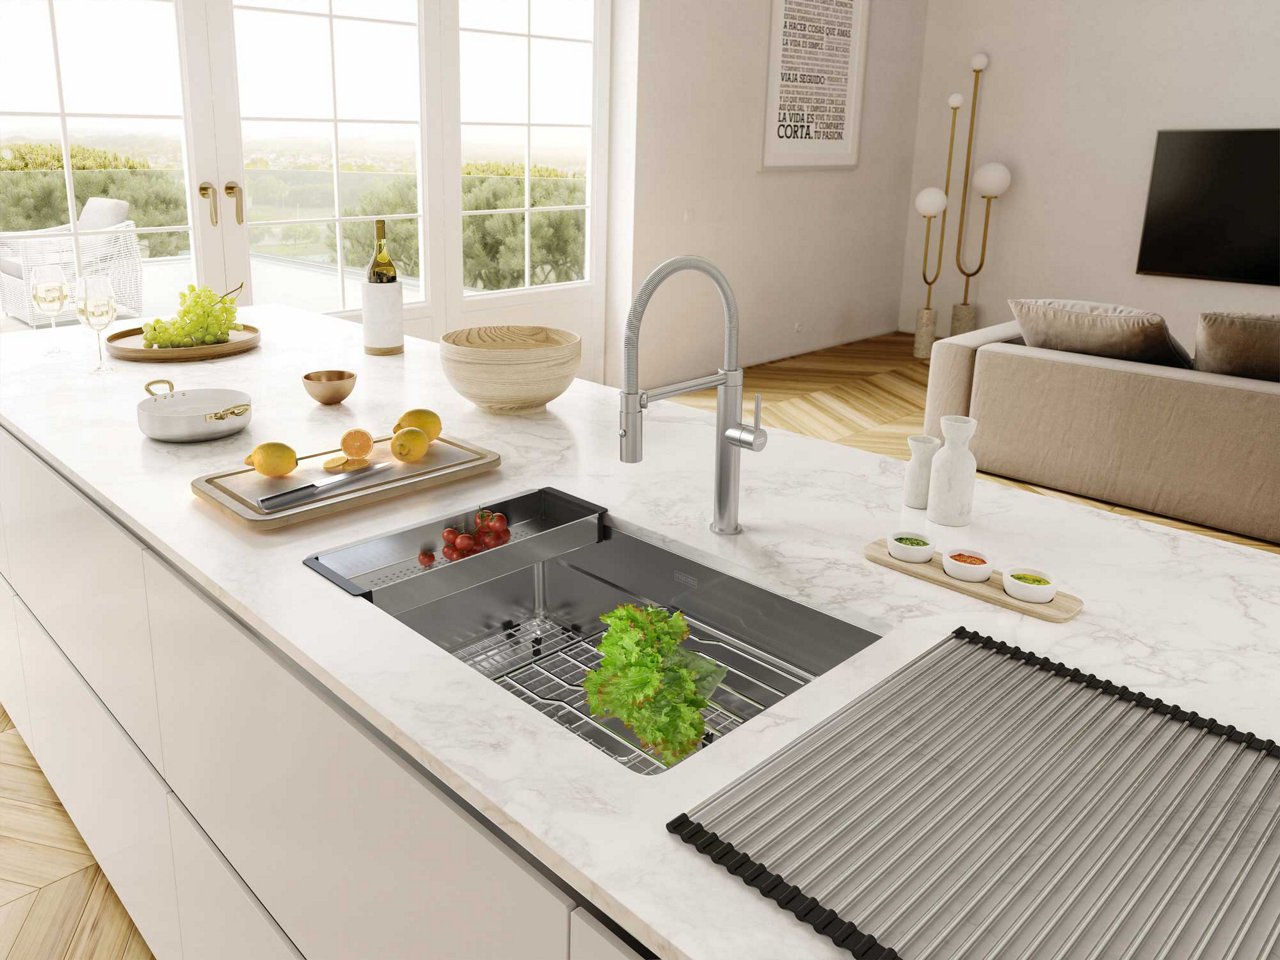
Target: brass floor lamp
[
  {"x": 930, "y": 203},
  {"x": 990, "y": 180}
]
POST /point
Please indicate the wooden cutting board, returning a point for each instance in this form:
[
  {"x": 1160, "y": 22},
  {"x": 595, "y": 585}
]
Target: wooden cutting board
[
  {"x": 238, "y": 489},
  {"x": 127, "y": 345},
  {"x": 1059, "y": 610}
]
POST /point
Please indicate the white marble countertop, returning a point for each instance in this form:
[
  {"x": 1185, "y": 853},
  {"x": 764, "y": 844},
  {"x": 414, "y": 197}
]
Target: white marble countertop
[{"x": 1191, "y": 620}]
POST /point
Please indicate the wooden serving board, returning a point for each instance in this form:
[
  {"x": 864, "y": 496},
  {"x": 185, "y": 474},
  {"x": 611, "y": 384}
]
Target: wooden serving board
[
  {"x": 127, "y": 345},
  {"x": 1059, "y": 610},
  {"x": 238, "y": 490}
]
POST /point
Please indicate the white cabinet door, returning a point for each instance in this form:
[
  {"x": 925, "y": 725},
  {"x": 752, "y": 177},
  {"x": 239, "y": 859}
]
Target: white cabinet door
[
  {"x": 115, "y": 798},
  {"x": 589, "y": 939},
  {"x": 81, "y": 575},
  {"x": 13, "y": 687},
  {"x": 221, "y": 918},
  {"x": 353, "y": 854}
]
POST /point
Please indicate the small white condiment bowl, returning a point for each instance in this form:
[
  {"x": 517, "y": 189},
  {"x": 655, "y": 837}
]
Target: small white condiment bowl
[
  {"x": 1030, "y": 592},
  {"x": 906, "y": 552},
  {"x": 969, "y": 572}
]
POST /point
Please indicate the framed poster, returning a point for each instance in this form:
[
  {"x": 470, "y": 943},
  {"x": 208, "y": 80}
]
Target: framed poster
[{"x": 817, "y": 56}]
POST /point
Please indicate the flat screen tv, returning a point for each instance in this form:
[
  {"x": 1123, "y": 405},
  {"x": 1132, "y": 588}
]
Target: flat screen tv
[{"x": 1213, "y": 209}]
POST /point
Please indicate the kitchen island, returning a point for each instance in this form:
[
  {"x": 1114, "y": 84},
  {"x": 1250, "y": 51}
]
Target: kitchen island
[{"x": 1190, "y": 620}]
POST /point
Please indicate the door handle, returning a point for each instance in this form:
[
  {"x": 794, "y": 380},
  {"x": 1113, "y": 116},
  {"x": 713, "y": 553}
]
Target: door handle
[
  {"x": 233, "y": 189},
  {"x": 209, "y": 193}
]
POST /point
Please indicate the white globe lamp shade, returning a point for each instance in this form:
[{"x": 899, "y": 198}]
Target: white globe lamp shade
[
  {"x": 992, "y": 179},
  {"x": 930, "y": 202},
  {"x": 955, "y": 101},
  {"x": 979, "y": 61}
]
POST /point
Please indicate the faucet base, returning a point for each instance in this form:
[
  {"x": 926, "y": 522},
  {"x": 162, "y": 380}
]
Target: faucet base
[{"x": 737, "y": 529}]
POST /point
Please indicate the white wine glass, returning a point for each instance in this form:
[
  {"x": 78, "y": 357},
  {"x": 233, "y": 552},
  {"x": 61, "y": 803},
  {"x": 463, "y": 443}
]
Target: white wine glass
[
  {"x": 96, "y": 307},
  {"x": 49, "y": 295}
]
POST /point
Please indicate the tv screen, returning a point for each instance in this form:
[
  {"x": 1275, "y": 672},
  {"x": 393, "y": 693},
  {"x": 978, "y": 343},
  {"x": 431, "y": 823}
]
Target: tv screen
[{"x": 1213, "y": 210}]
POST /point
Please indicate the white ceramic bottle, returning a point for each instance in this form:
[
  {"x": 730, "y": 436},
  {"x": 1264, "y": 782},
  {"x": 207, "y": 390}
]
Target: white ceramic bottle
[
  {"x": 952, "y": 477},
  {"x": 916, "y": 492}
]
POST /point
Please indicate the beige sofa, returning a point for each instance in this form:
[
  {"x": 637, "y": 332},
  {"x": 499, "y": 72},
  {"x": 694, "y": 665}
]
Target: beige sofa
[{"x": 1197, "y": 446}]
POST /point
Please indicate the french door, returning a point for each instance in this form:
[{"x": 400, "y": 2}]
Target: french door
[{"x": 318, "y": 129}]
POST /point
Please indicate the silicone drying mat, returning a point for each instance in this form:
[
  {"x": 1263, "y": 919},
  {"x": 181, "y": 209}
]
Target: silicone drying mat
[
  {"x": 986, "y": 802},
  {"x": 238, "y": 491}
]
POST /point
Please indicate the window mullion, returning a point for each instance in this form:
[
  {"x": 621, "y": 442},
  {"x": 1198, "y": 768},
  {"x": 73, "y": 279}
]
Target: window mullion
[
  {"x": 528, "y": 148},
  {"x": 68, "y": 175},
  {"x": 333, "y": 147}
]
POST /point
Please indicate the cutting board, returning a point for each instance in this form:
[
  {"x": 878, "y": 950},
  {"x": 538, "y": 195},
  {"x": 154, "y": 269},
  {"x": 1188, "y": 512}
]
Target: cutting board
[{"x": 237, "y": 490}]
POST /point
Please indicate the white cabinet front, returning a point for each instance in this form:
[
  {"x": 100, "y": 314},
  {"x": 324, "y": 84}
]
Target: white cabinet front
[
  {"x": 589, "y": 939},
  {"x": 115, "y": 798},
  {"x": 81, "y": 575},
  {"x": 13, "y": 687},
  {"x": 353, "y": 854},
  {"x": 221, "y": 918}
]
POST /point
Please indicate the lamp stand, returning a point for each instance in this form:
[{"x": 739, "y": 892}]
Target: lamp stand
[{"x": 926, "y": 332}]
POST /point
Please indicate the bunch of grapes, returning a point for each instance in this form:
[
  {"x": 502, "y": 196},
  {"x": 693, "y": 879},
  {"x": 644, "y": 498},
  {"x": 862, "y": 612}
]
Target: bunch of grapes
[{"x": 203, "y": 317}]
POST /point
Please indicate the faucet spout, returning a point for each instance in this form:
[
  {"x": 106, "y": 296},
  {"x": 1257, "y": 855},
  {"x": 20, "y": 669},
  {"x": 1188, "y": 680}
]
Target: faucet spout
[{"x": 731, "y": 435}]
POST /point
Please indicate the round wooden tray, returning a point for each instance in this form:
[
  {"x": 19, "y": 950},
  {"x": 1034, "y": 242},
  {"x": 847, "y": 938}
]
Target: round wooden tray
[{"x": 127, "y": 345}]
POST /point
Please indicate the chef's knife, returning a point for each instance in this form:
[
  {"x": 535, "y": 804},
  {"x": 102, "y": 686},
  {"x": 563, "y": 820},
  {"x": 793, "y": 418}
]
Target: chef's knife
[{"x": 290, "y": 498}]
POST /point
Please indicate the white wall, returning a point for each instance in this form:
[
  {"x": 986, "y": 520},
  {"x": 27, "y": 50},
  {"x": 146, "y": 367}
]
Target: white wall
[
  {"x": 814, "y": 257},
  {"x": 1071, "y": 103}
]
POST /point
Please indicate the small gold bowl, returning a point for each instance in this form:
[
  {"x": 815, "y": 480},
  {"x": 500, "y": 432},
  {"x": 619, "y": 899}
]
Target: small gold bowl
[{"x": 329, "y": 386}]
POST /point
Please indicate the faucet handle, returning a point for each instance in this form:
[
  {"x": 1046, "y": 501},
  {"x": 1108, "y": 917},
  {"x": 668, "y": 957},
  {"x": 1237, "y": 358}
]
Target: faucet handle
[{"x": 751, "y": 438}]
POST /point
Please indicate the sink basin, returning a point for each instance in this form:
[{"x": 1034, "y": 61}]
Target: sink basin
[{"x": 529, "y": 618}]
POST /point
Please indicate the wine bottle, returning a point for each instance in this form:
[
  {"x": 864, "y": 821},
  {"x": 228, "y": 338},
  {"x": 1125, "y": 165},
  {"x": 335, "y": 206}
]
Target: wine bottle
[{"x": 381, "y": 269}]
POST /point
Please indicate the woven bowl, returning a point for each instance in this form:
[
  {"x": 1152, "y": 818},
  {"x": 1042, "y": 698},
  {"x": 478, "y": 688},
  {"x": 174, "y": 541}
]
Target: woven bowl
[{"x": 506, "y": 369}]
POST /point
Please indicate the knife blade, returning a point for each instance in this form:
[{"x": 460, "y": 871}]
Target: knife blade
[{"x": 289, "y": 498}]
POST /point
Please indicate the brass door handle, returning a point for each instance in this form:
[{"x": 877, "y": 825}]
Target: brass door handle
[
  {"x": 208, "y": 192},
  {"x": 233, "y": 189}
]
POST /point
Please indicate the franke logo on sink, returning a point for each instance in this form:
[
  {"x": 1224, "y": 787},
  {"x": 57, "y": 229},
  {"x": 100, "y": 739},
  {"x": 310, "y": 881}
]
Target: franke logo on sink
[{"x": 684, "y": 578}]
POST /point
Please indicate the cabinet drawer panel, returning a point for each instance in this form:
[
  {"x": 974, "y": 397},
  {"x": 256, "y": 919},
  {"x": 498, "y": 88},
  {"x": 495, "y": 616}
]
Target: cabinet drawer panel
[
  {"x": 589, "y": 939},
  {"x": 81, "y": 575},
  {"x": 113, "y": 795},
  {"x": 220, "y": 917},
  {"x": 353, "y": 854},
  {"x": 13, "y": 687}
]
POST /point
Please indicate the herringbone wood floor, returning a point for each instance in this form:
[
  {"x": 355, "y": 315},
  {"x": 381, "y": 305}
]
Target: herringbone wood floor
[
  {"x": 870, "y": 395},
  {"x": 55, "y": 902}
]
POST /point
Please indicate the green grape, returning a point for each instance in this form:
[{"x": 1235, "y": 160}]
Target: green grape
[{"x": 203, "y": 317}]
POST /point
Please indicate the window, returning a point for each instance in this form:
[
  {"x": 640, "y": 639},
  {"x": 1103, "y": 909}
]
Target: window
[
  {"x": 526, "y": 99},
  {"x": 330, "y": 130},
  {"x": 92, "y": 151}
]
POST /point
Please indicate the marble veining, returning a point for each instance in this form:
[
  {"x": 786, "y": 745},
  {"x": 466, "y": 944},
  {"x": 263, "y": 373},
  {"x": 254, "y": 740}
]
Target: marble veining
[{"x": 1184, "y": 618}]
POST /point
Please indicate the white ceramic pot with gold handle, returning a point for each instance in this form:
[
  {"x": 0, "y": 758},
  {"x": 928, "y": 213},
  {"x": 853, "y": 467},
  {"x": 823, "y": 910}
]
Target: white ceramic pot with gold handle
[{"x": 189, "y": 416}]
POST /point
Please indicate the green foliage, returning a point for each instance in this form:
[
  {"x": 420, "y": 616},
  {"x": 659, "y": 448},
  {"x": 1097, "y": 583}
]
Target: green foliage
[
  {"x": 650, "y": 682},
  {"x": 32, "y": 196}
]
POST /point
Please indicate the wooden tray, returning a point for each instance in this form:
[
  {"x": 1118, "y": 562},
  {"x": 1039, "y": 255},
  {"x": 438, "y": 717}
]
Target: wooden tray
[
  {"x": 1059, "y": 610},
  {"x": 238, "y": 490},
  {"x": 127, "y": 345}
]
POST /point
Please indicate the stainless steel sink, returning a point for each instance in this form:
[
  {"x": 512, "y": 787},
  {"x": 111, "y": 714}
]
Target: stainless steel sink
[{"x": 529, "y": 617}]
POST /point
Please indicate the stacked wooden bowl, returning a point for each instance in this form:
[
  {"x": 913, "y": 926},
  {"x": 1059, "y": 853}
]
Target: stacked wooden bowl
[{"x": 505, "y": 369}]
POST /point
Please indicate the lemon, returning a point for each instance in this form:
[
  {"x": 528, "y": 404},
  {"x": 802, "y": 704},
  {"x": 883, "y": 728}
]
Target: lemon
[
  {"x": 357, "y": 443},
  {"x": 272, "y": 459},
  {"x": 409, "y": 444},
  {"x": 428, "y": 421},
  {"x": 335, "y": 464}
]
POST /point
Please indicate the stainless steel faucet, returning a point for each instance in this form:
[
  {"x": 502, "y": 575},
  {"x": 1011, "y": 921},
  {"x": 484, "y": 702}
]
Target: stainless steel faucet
[{"x": 731, "y": 434}]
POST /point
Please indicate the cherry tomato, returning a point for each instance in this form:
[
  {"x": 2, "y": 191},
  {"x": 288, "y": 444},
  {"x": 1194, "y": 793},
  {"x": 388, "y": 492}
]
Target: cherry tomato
[
  {"x": 491, "y": 538},
  {"x": 504, "y": 535},
  {"x": 498, "y": 522},
  {"x": 465, "y": 543},
  {"x": 449, "y": 535},
  {"x": 426, "y": 558},
  {"x": 450, "y": 552}
]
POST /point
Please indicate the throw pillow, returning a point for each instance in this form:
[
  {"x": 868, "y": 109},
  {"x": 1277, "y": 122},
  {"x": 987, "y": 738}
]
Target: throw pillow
[
  {"x": 1239, "y": 345},
  {"x": 1100, "y": 330}
]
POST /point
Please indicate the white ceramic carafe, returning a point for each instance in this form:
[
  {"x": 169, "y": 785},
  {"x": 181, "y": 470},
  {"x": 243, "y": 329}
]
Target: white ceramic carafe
[
  {"x": 953, "y": 473},
  {"x": 916, "y": 491}
]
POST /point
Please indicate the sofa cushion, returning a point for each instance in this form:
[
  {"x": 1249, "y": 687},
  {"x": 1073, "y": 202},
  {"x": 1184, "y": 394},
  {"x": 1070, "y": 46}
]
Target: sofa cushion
[
  {"x": 1239, "y": 345},
  {"x": 102, "y": 212},
  {"x": 1100, "y": 330}
]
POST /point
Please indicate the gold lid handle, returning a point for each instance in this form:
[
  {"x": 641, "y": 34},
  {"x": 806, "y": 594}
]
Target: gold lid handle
[
  {"x": 239, "y": 410},
  {"x": 152, "y": 393}
]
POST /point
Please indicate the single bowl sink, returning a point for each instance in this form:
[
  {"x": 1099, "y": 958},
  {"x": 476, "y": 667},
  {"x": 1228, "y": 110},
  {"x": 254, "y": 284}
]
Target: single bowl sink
[{"x": 529, "y": 619}]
